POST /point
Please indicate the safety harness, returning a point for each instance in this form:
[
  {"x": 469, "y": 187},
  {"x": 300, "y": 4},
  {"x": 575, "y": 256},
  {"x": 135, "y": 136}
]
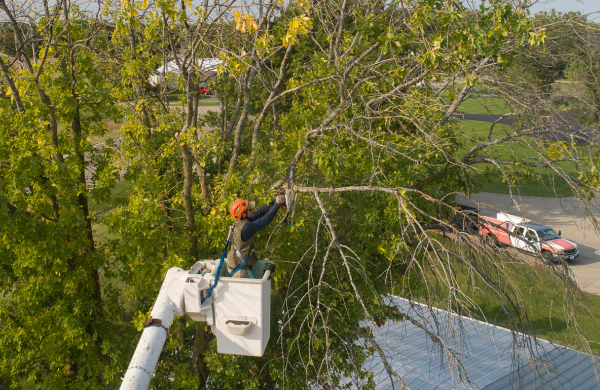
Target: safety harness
[
  {"x": 244, "y": 263},
  {"x": 222, "y": 261}
]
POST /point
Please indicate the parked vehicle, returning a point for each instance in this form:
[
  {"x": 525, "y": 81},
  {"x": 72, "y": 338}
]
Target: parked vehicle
[
  {"x": 202, "y": 90},
  {"x": 523, "y": 234},
  {"x": 467, "y": 220}
]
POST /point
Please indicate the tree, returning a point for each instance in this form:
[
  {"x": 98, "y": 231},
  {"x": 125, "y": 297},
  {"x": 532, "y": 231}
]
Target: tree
[
  {"x": 52, "y": 265},
  {"x": 541, "y": 67},
  {"x": 330, "y": 99},
  {"x": 583, "y": 70}
]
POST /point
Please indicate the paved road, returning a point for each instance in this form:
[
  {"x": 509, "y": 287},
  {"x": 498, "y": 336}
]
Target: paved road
[
  {"x": 564, "y": 214},
  {"x": 484, "y": 118}
]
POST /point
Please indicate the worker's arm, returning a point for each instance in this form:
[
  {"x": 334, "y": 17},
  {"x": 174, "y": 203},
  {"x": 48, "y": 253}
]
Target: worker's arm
[
  {"x": 262, "y": 210},
  {"x": 257, "y": 223}
]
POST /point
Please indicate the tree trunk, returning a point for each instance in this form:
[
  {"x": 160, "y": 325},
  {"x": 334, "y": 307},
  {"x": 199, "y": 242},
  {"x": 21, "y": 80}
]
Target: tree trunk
[
  {"x": 77, "y": 132},
  {"x": 201, "y": 340},
  {"x": 83, "y": 202},
  {"x": 237, "y": 141},
  {"x": 137, "y": 83},
  {"x": 188, "y": 202}
]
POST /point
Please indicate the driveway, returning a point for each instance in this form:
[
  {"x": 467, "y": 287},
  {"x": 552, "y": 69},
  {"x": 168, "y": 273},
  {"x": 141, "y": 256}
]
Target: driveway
[
  {"x": 485, "y": 118},
  {"x": 565, "y": 214}
]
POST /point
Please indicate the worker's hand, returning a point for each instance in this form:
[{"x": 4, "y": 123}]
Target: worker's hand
[{"x": 280, "y": 199}]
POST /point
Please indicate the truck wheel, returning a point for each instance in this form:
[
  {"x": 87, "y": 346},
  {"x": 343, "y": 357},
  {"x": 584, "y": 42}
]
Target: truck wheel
[{"x": 547, "y": 256}]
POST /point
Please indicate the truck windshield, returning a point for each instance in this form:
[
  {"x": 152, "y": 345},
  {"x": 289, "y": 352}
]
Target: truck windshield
[{"x": 548, "y": 234}]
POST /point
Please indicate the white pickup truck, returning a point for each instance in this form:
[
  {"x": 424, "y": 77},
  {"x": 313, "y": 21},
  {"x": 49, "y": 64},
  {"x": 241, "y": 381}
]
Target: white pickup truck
[{"x": 523, "y": 234}]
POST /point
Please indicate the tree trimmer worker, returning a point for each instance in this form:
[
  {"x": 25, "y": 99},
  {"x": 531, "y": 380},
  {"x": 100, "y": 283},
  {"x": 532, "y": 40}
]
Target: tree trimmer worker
[{"x": 240, "y": 257}]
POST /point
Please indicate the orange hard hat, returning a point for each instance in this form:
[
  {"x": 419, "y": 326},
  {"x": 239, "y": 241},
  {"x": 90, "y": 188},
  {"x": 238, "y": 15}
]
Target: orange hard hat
[{"x": 239, "y": 206}]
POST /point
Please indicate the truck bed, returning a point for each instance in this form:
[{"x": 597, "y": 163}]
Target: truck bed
[{"x": 497, "y": 228}]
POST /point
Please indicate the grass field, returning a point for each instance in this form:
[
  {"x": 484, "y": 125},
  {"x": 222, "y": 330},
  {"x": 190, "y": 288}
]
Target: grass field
[
  {"x": 483, "y": 104},
  {"x": 101, "y": 234},
  {"x": 113, "y": 129},
  {"x": 543, "y": 184},
  {"x": 543, "y": 300},
  {"x": 550, "y": 186},
  {"x": 120, "y": 190}
]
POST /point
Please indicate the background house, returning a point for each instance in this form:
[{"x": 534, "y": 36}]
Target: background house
[{"x": 207, "y": 67}]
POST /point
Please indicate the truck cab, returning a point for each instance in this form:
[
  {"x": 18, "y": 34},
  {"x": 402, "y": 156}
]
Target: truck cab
[{"x": 526, "y": 235}]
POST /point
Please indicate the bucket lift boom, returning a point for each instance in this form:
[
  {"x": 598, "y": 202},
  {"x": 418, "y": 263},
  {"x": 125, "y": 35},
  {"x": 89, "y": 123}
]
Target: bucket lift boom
[{"x": 238, "y": 311}]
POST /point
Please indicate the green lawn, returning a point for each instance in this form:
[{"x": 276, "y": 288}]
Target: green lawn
[
  {"x": 546, "y": 313},
  {"x": 484, "y": 105},
  {"x": 474, "y": 132},
  {"x": 542, "y": 298},
  {"x": 113, "y": 129},
  {"x": 101, "y": 234},
  {"x": 550, "y": 186},
  {"x": 543, "y": 184},
  {"x": 120, "y": 190},
  {"x": 480, "y": 104}
]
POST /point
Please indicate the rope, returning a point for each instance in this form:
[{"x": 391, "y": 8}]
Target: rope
[{"x": 210, "y": 290}]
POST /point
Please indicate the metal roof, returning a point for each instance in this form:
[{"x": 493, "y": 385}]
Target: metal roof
[{"x": 492, "y": 357}]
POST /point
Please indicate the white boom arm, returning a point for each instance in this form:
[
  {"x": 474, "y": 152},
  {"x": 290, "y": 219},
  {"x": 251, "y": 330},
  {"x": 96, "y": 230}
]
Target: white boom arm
[
  {"x": 169, "y": 303},
  {"x": 238, "y": 311}
]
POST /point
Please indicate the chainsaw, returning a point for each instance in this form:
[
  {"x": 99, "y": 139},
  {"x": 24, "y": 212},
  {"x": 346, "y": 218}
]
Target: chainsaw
[{"x": 290, "y": 197}]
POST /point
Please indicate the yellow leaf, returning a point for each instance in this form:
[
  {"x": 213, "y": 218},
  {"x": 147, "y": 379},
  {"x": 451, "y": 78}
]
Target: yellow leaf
[
  {"x": 181, "y": 144},
  {"x": 213, "y": 211},
  {"x": 238, "y": 18},
  {"x": 145, "y": 4},
  {"x": 304, "y": 4}
]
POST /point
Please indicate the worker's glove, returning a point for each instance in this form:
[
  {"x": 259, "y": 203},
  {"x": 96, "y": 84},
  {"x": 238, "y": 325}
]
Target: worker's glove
[{"x": 280, "y": 199}]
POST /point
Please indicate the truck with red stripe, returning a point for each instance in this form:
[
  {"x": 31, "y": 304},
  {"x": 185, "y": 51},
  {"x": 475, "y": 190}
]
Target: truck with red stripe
[{"x": 510, "y": 230}]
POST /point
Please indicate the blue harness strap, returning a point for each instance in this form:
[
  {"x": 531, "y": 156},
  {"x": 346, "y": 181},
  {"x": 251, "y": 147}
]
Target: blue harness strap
[
  {"x": 242, "y": 265},
  {"x": 210, "y": 290}
]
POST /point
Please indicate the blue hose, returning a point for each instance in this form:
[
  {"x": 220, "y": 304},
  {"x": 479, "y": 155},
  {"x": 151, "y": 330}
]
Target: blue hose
[{"x": 209, "y": 292}]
